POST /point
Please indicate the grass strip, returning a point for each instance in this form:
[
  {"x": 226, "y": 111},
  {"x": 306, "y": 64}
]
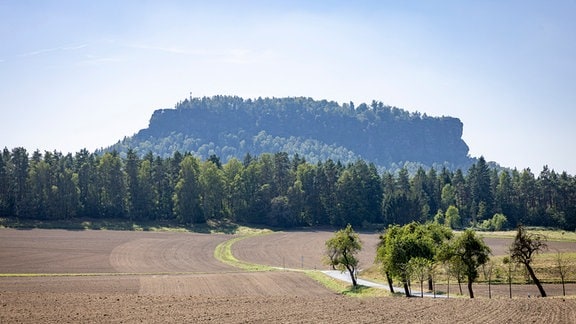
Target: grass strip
[
  {"x": 210, "y": 227},
  {"x": 345, "y": 288},
  {"x": 223, "y": 253},
  {"x": 550, "y": 235}
]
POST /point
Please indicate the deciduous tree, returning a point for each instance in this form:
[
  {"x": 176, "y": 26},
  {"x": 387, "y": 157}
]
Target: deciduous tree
[
  {"x": 341, "y": 251},
  {"x": 523, "y": 250},
  {"x": 563, "y": 265},
  {"x": 473, "y": 253},
  {"x": 398, "y": 245}
]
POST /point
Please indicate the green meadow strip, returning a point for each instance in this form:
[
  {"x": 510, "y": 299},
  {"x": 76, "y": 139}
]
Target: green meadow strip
[
  {"x": 550, "y": 235},
  {"x": 345, "y": 288},
  {"x": 223, "y": 252}
]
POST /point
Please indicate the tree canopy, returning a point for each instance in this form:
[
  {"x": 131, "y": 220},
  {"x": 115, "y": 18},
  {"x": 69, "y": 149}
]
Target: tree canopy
[
  {"x": 471, "y": 252},
  {"x": 341, "y": 251},
  {"x": 404, "y": 249},
  {"x": 272, "y": 189}
]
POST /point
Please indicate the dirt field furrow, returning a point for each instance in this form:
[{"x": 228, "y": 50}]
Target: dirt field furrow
[
  {"x": 232, "y": 284},
  {"x": 297, "y": 250},
  {"x": 500, "y": 246},
  {"x": 58, "y": 251},
  {"x": 116, "y": 308},
  {"x": 169, "y": 253},
  {"x": 146, "y": 277}
]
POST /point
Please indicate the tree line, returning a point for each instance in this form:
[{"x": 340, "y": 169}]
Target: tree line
[
  {"x": 278, "y": 190},
  {"x": 417, "y": 251}
]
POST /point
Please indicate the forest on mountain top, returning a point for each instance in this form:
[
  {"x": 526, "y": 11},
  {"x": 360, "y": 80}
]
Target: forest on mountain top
[
  {"x": 317, "y": 130},
  {"x": 277, "y": 190}
]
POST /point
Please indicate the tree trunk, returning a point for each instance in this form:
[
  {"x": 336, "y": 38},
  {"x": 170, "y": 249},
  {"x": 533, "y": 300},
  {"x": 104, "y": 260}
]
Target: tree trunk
[
  {"x": 448, "y": 289},
  {"x": 460, "y": 285},
  {"x": 389, "y": 278},
  {"x": 421, "y": 288},
  {"x": 430, "y": 284},
  {"x": 406, "y": 290},
  {"x": 536, "y": 281},
  {"x": 352, "y": 276},
  {"x": 433, "y": 288},
  {"x": 510, "y": 280},
  {"x": 470, "y": 291}
]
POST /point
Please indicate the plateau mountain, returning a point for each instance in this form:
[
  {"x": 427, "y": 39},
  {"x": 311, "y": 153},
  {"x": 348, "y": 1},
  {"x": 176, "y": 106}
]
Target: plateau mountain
[{"x": 316, "y": 130}]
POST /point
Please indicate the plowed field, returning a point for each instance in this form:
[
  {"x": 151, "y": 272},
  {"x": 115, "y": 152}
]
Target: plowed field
[
  {"x": 297, "y": 250},
  {"x": 108, "y": 277}
]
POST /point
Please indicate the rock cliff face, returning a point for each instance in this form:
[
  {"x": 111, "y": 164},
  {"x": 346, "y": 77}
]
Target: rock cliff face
[{"x": 316, "y": 130}]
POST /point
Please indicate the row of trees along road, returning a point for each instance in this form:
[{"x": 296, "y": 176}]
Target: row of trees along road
[
  {"x": 276, "y": 190},
  {"x": 414, "y": 250}
]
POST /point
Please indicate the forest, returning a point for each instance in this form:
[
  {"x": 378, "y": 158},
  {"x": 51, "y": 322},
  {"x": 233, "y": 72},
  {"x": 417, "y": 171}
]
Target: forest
[
  {"x": 277, "y": 190},
  {"x": 318, "y": 130}
]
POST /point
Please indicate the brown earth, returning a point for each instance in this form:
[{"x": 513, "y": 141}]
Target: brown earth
[
  {"x": 297, "y": 250},
  {"x": 305, "y": 249},
  {"x": 49, "y": 307},
  {"x": 108, "y": 276},
  {"x": 500, "y": 246},
  {"x": 61, "y": 251}
]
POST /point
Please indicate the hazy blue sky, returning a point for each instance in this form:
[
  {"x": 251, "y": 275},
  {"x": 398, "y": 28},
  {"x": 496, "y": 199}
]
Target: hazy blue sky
[{"x": 84, "y": 74}]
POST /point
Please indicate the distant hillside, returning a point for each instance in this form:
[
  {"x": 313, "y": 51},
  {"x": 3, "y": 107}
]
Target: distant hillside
[{"x": 230, "y": 127}]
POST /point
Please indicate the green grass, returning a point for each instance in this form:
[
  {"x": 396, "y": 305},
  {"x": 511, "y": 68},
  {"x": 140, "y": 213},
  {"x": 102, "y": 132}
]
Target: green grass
[
  {"x": 545, "y": 266},
  {"x": 344, "y": 288},
  {"x": 80, "y": 224},
  {"x": 93, "y": 224},
  {"x": 551, "y": 235},
  {"x": 223, "y": 252}
]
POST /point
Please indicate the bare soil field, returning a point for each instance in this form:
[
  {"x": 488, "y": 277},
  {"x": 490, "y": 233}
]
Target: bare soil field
[
  {"x": 62, "y": 251},
  {"x": 305, "y": 249},
  {"x": 127, "y": 277},
  {"x": 499, "y": 246},
  {"x": 297, "y": 250},
  {"x": 48, "y": 307}
]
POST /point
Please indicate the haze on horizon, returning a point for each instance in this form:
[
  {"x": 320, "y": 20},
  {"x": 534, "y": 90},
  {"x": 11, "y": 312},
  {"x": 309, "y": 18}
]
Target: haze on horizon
[{"x": 77, "y": 74}]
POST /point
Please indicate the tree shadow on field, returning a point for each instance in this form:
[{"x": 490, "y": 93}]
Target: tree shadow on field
[{"x": 29, "y": 224}]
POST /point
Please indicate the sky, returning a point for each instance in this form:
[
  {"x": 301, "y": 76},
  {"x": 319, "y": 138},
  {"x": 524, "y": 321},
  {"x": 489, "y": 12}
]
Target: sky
[{"x": 85, "y": 74}]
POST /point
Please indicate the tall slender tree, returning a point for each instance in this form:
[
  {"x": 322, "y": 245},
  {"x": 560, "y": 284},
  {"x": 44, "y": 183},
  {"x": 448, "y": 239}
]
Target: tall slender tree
[
  {"x": 212, "y": 190},
  {"x": 187, "y": 192},
  {"x": 20, "y": 166},
  {"x": 112, "y": 186},
  {"x": 523, "y": 250}
]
